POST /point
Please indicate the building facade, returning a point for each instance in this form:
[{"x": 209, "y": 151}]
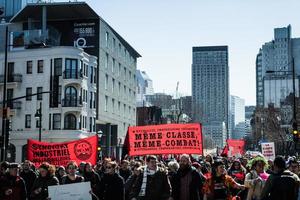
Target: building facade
[
  {"x": 237, "y": 117},
  {"x": 274, "y": 68},
  {"x": 76, "y": 24},
  {"x": 68, "y": 115},
  {"x": 144, "y": 87},
  {"x": 11, "y": 7},
  {"x": 210, "y": 90}
]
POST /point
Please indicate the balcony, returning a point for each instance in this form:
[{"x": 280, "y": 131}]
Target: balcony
[
  {"x": 72, "y": 74},
  {"x": 11, "y": 78},
  {"x": 71, "y": 102}
]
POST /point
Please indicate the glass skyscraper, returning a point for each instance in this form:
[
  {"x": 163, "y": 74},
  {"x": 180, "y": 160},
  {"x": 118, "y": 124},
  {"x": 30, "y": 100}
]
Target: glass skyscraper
[
  {"x": 11, "y": 7},
  {"x": 210, "y": 91}
]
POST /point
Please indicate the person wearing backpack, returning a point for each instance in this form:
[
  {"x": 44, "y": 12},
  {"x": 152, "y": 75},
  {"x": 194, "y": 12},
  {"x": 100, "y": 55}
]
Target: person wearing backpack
[{"x": 282, "y": 185}]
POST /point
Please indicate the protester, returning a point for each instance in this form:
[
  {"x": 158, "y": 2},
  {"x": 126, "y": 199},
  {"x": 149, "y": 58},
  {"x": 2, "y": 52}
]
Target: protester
[
  {"x": 46, "y": 178},
  {"x": 125, "y": 171},
  {"x": 152, "y": 183},
  {"x": 112, "y": 184},
  {"x": 283, "y": 184},
  {"x": 256, "y": 178},
  {"x": 12, "y": 185},
  {"x": 3, "y": 168},
  {"x": 293, "y": 166},
  {"x": 72, "y": 177},
  {"x": 209, "y": 159},
  {"x": 218, "y": 186},
  {"x": 60, "y": 172},
  {"x": 172, "y": 173},
  {"x": 132, "y": 179},
  {"x": 188, "y": 182},
  {"x": 80, "y": 170},
  {"x": 28, "y": 176},
  {"x": 238, "y": 173},
  {"x": 91, "y": 176}
]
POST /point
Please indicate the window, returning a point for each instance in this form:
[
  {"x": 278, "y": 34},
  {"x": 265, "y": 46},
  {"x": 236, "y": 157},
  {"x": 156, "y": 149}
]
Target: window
[
  {"x": 119, "y": 72},
  {"x": 91, "y": 124},
  {"x": 94, "y": 100},
  {"x": 106, "y": 61},
  {"x": 39, "y": 96},
  {"x": 105, "y": 103},
  {"x": 70, "y": 97},
  {"x": 119, "y": 107},
  {"x": 91, "y": 99},
  {"x": 94, "y": 127},
  {"x": 80, "y": 122},
  {"x": 124, "y": 73},
  {"x": 106, "y": 82},
  {"x": 113, "y": 105},
  {"x": 113, "y": 86},
  {"x": 113, "y": 65},
  {"x": 114, "y": 43},
  {"x": 49, "y": 121},
  {"x": 119, "y": 88},
  {"x": 57, "y": 66},
  {"x": 29, "y": 67},
  {"x": 59, "y": 94},
  {"x": 71, "y": 69},
  {"x": 27, "y": 121},
  {"x": 56, "y": 121},
  {"x": 106, "y": 39},
  {"x": 28, "y": 92},
  {"x": 92, "y": 74},
  {"x": 95, "y": 75},
  {"x": 70, "y": 122},
  {"x": 40, "y": 66}
]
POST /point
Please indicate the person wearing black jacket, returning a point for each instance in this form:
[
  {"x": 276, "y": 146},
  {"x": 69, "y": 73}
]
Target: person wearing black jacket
[
  {"x": 91, "y": 176},
  {"x": 282, "y": 185},
  {"x": 28, "y": 175},
  {"x": 124, "y": 171},
  {"x": 112, "y": 184},
  {"x": 12, "y": 185},
  {"x": 188, "y": 181},
  {"x": 46, "y": 178}
]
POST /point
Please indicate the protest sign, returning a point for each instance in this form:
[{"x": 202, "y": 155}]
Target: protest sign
[
  {"x": 75, "y": 191},
  {"x": 165, "y": 139},
  {"x": 268, "y": 150},
  {"x": 235, "y": 147},
  {"x": 61, "y": 153}
]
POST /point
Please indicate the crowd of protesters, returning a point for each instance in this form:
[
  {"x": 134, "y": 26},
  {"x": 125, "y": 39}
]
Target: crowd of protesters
[{"x": 152, "y": 178}]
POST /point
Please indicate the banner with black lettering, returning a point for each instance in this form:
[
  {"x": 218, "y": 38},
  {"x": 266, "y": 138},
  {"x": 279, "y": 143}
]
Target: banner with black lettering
[
  {"x": 61, "y": 153},
  {"x": 165, "y": 139}
]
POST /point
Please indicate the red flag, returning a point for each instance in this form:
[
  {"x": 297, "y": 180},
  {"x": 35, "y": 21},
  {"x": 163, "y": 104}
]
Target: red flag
[
  {"x": 225, "y": 151},
  {"x": 61, "y": 153}
]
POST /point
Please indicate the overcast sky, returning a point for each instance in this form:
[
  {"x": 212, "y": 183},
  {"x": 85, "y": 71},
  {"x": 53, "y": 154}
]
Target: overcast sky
[{"x": 164, "y": 32}]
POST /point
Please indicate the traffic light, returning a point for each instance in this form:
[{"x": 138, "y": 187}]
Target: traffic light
[
  {"x": 295, "y": 132},
  {"x": 99, "y": 148}
]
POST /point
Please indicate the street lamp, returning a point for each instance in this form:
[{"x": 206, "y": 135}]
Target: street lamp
[{"x": 38, "y": 116}]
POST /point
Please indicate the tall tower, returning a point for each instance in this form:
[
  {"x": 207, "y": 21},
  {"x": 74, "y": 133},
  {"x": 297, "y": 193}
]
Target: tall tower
[{"x": 210, "y": 91}]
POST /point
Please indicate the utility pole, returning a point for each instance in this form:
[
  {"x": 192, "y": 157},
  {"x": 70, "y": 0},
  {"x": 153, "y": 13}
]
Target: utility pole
[{"x": 4, "y": 108}]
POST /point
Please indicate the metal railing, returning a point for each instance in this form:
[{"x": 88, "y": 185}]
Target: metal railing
[
  {"x": 11, "y": 78},
  {"x": 72, "y": 74},
  {"x": 71, "y": 102}
]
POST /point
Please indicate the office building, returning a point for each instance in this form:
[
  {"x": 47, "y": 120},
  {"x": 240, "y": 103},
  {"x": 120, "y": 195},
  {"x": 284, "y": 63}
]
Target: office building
[
  {"x": 237, "y": 117},
  {"x": 210, "y": 91},
  {"x": 144, "y": 87}
]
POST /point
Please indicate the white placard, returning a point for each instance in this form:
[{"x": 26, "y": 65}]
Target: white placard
[
  {"x": 268, "y": 150},
  {"x": 75, "y": 191}
]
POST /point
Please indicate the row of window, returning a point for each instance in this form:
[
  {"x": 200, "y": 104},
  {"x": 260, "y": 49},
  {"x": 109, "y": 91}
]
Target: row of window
[
  {"x": 122, "y": 52},
  {"x": 70, "y": 122},
  {"x": 113, "y": 102},
  {"x": 113, "y": 86},
  {"x": 128, "y": 75},
  {"x": 71, "y": 68}
]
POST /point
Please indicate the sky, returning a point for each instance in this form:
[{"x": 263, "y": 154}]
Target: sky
[{"x": 164, "y": 32}]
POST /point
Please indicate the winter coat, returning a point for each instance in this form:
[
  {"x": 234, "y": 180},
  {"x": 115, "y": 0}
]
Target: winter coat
[
  {"x": 125, "y": 174},
  {"x": 281, "y": 186},
  {"x": 94, "y": 178},
  {"x": 194, "y": 187},
  {"x": 112, "y": 187},
  {"x": 29, "y": 178},
  {"x": 43, "y": 183},
  {"x": 16, "y": 184},
  {"x": 158, "y": 186}
]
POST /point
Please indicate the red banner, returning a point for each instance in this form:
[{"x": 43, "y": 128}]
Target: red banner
[
  {"x": 235, "y": 147},
  {"x": 165, "y": 139},
  {"x": 62, "y": 153}
]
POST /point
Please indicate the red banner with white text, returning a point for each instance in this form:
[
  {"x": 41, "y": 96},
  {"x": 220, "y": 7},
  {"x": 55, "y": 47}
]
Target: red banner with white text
[
  {"x": 235, "y": 147},
  {"x": 61, "y": 153},
  {"x": 165, "y": 139}
]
